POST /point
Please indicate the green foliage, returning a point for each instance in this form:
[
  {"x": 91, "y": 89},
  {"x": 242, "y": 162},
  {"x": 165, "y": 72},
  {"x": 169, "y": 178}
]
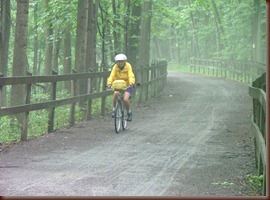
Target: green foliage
[
  {"x": 167, "y": 15},
  {"x": 232, "y": 20},
  {"x": 172, "y": 28},
  {"x": 211, "y": 72},
  {"x": 109, "y": 104},
  {"x": 254, "y": 181},
  {"x": 38, "y": 120},
  {"x": 38, "y": 123},
  {"x": 9, "y": 130},
  {"x": 177, "y": 67},
  {"x": 59, "y": 14}
]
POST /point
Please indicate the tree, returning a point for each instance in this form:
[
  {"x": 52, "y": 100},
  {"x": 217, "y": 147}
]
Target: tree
[
  {"x": 80, "y": 46},
  {"x": 56, "y": 48},
  {"x": 116, "y": 35},
  {"x": 4, "y": 42},
  {"x": 133, "y": 33},
  {"x": 144, "y": 49},
  {"x": 49, "y": 43},
  {"x": 92, "y": 35},
  {"x": 20, "y": 64},
  {"x": 67, "y": 56},
  {"x": 256, "y": 31},
  {"x": 35, "y": 48},
  {"x": 177, "y": 31}
]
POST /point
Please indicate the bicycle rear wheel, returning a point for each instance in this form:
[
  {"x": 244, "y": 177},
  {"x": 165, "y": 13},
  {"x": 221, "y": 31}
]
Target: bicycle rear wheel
[{"x": 118, "y": 117}]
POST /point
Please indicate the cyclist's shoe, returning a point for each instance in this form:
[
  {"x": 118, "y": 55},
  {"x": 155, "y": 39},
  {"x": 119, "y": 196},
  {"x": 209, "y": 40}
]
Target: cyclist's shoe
[
  {"x": 129, "y": 118},
  {"x": 113, "y": 113}
]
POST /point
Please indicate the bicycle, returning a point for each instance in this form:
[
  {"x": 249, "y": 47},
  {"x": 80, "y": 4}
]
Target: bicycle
[{"x": 120, "y": 116}]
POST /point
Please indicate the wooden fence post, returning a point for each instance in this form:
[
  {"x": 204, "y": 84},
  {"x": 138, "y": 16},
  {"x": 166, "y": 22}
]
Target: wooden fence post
[
  {"x": 72, "y": 108},
  {"x": 26, "y": 114},
  {"x": 156, "y": 82},
  {"x": 142, "y": 82},
  {"x": 164, "y": 72},
  {"x": 1, "y": 92},
  {"x": 147, "y": 81},
  {"x": 103, "y": 99},
  {"x": 88, "y": 114},
  {"x": 52, "y": 110},
  {"x": 133, "y": 102}
]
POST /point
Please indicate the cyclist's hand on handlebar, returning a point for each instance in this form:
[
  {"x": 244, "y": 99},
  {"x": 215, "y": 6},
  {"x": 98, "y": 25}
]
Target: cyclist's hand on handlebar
[{"x": 109, "y": 86}]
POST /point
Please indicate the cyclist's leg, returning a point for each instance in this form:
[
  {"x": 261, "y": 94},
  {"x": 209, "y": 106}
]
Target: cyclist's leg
[
  {"x": 115, "y": 97},
  {"x": 126, "y": 99}
]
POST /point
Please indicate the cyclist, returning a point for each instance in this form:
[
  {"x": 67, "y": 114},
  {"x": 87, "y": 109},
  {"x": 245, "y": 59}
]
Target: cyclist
[{"x": 122, "y": 70}]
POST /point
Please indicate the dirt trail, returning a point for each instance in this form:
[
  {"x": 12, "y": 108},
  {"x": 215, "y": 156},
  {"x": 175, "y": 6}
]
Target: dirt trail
[{"x": 194, "y": 139}]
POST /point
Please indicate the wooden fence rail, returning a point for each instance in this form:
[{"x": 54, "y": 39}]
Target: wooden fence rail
[
  {"x": 257, "y": 92},
  {"x": 157, "y": 75}
]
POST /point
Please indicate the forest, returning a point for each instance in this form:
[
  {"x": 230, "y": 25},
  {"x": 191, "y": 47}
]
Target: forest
[
  {"x": 41, "y": 35},
  {"x": 45, "y": 36}
]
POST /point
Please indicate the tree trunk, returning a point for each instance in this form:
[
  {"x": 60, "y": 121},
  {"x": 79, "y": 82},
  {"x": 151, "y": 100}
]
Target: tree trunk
[
  {"x": 67, "y": 57},
  {"x": 4, "y": 43},
  {"x": 144, "y": 50},
  {"x": 194, "y": 42},
  {"x": 35, "y": 59},
  {"x": 219, "y": 28},
  {"x": 115, "y": 35},
  {"x": 91, "y": 36},
  {"x": 56, "y": 49},
  {"x": 126, "y": 25},
  {"x": 103, "y": 31},
  {"x": 92, "y": 39},
  {"x": 133, "y": 35},
  {"x": 20, "y": 56},
  {"x": 157, "y": 48},
  {"x": 256, "y": 29},
  {"x": 49, "y": 45},
  {"x": 80, "y": 48}
]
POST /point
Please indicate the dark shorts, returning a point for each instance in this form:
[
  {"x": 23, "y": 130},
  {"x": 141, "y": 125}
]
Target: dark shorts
[{"x": 129, "y": 90}]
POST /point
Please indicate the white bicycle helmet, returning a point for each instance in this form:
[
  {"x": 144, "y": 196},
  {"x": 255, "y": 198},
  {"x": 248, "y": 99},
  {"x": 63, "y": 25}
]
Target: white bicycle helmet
[{"x": 120, "y": 57}]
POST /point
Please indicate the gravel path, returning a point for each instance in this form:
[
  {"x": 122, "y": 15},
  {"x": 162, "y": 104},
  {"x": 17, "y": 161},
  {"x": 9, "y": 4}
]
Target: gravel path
[{"x": 194, "y": 139}]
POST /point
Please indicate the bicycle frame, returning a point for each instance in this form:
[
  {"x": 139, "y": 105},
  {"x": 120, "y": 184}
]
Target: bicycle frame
[
  {"x": 120, "y": 116},
  {"x": 120, "y": 113}
]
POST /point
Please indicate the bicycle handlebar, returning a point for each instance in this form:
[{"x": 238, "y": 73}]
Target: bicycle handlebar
[{"x": 130, "y": 86}]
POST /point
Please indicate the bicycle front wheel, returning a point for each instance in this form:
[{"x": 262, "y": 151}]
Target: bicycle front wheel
[
  {"x": 118, "y": 117},
  {"x": 124, "y": 118}
]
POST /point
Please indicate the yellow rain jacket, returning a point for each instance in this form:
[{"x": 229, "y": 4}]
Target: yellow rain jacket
[{"x": 125, "y": 74}]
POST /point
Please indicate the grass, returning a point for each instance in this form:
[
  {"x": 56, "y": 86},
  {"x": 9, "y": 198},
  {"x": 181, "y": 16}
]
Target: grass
[
  {"x": 255, "y": 183},
  {"x": 175, "y": 67},
  {"x": 209, "y": 72}
]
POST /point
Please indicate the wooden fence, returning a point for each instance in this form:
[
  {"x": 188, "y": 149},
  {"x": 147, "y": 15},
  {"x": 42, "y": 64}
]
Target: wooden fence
[
  {"x": 258, "y": 92},
  {"x": 237, "y": 70},
  {"x": 156, "y": 80}
]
